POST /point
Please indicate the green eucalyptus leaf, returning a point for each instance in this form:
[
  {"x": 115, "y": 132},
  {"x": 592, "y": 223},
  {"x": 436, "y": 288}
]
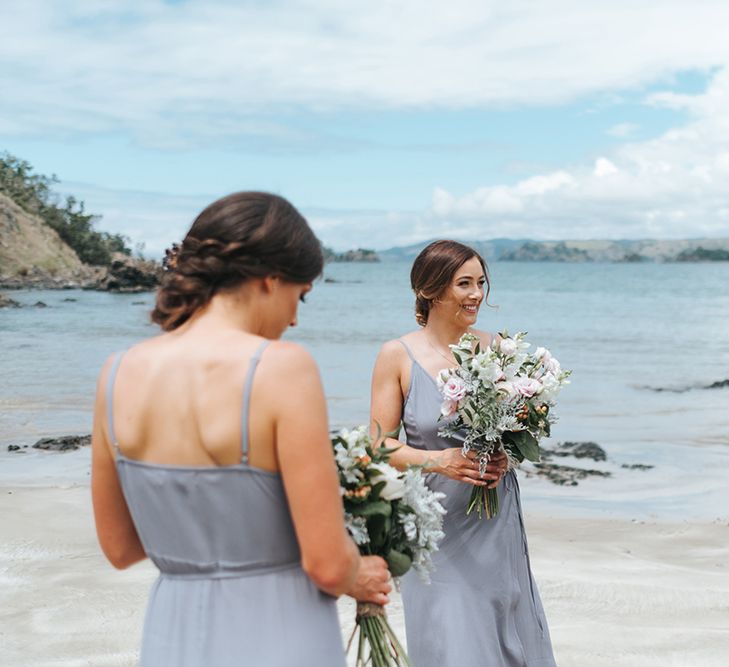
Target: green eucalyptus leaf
[
  {"x": 378, "y": 528},
  {"x": 379, "y": 508},
  {"x": 398, "y": 562},
  {"x": 527, "y": 445}
]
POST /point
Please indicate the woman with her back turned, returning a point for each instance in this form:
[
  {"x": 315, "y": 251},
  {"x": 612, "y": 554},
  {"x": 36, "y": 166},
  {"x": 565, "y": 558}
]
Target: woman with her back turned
[{"x": 211, "y": 455}]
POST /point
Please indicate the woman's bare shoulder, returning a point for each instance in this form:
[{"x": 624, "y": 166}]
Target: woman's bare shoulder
[
  {"x": 395, "y": 349},
  {"x": 284, "y": 353}
]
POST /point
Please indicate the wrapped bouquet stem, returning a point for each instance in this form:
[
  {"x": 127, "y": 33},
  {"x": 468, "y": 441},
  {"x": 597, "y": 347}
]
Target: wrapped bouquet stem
[
  {"x": 499, "y": 399},
  {"x": 391, "y": 514},
  {"x": 378, "y": 644}
]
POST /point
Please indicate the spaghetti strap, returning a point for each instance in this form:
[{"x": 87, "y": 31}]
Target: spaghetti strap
[
  {"x": 407, "y": 349},
  {"x": 247, "y": 399},
  {"x": 110, "y": 399}
]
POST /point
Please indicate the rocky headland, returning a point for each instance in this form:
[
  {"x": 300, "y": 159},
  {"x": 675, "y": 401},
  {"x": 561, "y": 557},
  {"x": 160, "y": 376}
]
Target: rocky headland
[
  {"x": 33, "y": 256},
  {"x": 645, "y": 250},
  {"x": 357, "y": 255},
  {"x": 625, "y": 251}
]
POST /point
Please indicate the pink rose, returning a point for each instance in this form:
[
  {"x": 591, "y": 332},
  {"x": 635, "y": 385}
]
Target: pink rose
[
  {"x": 454, "y": 389},
  {"x": 527, "y": 387}
]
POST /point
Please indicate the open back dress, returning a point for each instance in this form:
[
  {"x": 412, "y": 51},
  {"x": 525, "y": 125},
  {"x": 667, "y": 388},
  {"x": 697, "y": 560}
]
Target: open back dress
[{"x": 231, "y": 590}]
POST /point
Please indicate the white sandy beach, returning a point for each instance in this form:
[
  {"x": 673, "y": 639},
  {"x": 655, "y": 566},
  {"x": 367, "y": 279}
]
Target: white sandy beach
[{"x": 634, "y": 594}]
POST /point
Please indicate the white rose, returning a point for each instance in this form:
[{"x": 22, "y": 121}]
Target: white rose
[
  {"x": 552, "y": 366},
  {"x": 552, "y": 387},
  {"x": 394, "y": 483},
  {"x": 508, "y": 346},
  {"x": 540, "y": 352}
]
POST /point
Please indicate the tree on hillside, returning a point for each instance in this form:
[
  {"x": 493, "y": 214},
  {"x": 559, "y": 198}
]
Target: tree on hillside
[{"x": 34, "y": 193}]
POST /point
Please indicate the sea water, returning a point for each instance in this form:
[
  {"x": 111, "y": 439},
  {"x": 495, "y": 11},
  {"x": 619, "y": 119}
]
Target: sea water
[{"x": 643, "y": 340}]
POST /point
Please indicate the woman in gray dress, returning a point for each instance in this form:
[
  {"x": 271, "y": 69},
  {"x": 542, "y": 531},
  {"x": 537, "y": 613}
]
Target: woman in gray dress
[
  {"x": 482, "y": 608},
  {"x": 211, "y": 455}
]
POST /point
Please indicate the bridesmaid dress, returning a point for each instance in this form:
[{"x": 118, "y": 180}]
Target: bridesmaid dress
[
  {"x": 482, "y": 607},
  {"x": 231, "y": 590}
]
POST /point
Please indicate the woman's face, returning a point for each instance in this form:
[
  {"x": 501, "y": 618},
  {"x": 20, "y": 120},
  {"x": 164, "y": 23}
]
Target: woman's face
[{"x": 462, "y": 299}]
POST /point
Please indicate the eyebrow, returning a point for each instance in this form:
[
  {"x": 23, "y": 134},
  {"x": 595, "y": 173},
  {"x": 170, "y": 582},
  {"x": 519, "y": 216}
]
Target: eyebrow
[{"x": 463, "y": 277}]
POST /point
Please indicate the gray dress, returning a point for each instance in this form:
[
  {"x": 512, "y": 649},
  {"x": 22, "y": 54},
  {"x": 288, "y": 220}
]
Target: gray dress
[
  {"x": 482, "y": 608},
  {"x": 231, "y": 590}
]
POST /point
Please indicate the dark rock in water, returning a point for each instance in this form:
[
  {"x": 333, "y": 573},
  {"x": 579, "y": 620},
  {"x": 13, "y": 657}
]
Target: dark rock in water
[
  {"x": 139, "y": 303},
  {"x": 672, "y": 390},
  {"x": 127, "y": 274},
  {"x": 566, "y": 475},
  {"x": 580, "y": 450},
  {"x": 720, "y": 384},
  {"x": 7, "y": 302},
  {"x": 70, "y": 300},
  {"x": 636, "y": 466},
  {"x": 40, "y": 304},
  {"x": 63, "y": 444},
  {"x": 13, "y": 448},
  {"x": 349, "y": 282}
]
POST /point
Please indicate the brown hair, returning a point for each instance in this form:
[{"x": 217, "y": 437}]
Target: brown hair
[
  {"x": 241, "y": 236},
  {"x": 433, "y": 270}
]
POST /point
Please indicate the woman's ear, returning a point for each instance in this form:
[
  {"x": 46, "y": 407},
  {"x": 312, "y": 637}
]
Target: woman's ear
[{"x": 270, "y": 284}]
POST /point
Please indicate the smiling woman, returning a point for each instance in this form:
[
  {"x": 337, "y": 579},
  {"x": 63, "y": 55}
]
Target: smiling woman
[{"x": 482, "y": 598}]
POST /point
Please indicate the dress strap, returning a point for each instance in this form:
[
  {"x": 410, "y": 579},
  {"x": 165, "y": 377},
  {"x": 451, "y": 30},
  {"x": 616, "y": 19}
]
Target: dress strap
[
  {"x": 247, "y": 399},
  {"x": 110, "y": 399},
  {"x": 407, "y": 349}
]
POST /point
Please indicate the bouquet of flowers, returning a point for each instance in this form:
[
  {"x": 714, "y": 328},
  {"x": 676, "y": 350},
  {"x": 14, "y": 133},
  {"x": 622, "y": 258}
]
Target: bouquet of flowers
[
  {"x": 501, "y": 397},
  {"x": 388, "y": 513}
]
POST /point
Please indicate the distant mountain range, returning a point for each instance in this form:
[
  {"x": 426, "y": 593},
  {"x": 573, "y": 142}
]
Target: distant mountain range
[{"x": 525, "y": 250}]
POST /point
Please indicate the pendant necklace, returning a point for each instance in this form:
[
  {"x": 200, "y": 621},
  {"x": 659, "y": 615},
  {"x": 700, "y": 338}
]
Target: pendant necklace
[{"x": 450, "y": 360}]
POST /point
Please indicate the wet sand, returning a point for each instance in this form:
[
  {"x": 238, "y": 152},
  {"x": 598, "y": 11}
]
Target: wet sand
[{"x": 616, "y": 592}]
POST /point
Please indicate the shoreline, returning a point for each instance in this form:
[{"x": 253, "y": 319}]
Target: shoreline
[
  {"x": 616, "y": 592},
  {"x": 623, "y": 489}
]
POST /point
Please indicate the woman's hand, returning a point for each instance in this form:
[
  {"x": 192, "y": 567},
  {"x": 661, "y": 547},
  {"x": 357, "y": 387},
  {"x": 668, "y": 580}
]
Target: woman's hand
[
  {"x": 500, "y": 463},
  {"x": 465, "y": 467},
  {"x": 372, "y": 581}
]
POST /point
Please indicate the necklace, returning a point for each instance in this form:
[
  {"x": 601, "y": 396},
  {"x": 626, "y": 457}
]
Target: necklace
[{"x": 450, "y": 359}]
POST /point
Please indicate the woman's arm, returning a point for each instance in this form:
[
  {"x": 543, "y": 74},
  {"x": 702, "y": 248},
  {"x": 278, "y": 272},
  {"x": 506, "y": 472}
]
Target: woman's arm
[
  {"x": 114, "y": 526},
  {"x": 306, "y": 461},
  {"x": 386, "y": 414}
]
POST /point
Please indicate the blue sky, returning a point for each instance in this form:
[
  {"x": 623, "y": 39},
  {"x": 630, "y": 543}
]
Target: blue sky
[{"x": 386, "y": 124}]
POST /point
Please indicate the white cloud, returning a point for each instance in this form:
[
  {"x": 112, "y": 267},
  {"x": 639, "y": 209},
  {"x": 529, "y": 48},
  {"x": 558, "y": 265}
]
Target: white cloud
[
  {"x": 198, "y": 73},
  {"x": 671, "y": 186},
  {"x": 622, "y": 130},
  {"x": 193, "y": 73},
  {"x": 603, "y": 167}
]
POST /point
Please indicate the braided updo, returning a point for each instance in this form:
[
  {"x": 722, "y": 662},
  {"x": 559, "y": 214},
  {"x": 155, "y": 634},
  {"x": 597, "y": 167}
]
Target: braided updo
[
  {"x": 241, "y": 236},
  {"x": 433, "y": 270}
]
